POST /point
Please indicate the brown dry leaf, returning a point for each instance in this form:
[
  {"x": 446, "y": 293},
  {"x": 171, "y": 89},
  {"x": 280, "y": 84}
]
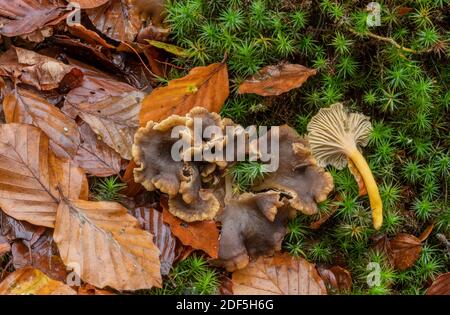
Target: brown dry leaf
[
  {"x": 87, "y": 289},
  {"x": 13, "y": 230},
  {"x": 203, "y": 235},
  {"x": 105, "y": 245},
  {"x": 337, "y": 278},
  {"x": 30, "y": 281},
  {"x": 32, "y": 177},
  {"x": 424, "y": 235},
  {"x": 152, "y": 220},
  {"x": 94, "y": 156},
  {"x": 26, "y": 107},
  {"x": 28, "y": 16},
  {"x": 117, "y": 19},
  {"x": 91, "y": 37},
  {"x": 405, "y": 249},
  {"x": 324, "y": 218},
  {"x": 276, "y": 79},
  {"x": 90, "y": 4},
  {"x": 278, "y": 275},
  {"x": 42, "y": 72},
  {"x": 42, "y": 255},
  {"x": 4, "y": 246},
  {"x": 132, "y": 188},
  {"x": 109, "y": 107},
  {"x": 362, "y": 191},
  {"x": 440, "y": 286},
  {"x": 207, "y": 87}
]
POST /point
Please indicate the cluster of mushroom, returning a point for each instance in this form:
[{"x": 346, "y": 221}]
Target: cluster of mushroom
[{"x": 253, "y": 223}]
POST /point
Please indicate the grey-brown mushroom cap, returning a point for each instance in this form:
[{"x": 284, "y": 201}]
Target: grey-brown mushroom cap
[
  {"x": 152, "y": 152},
  {"x": 205, "y": 207},
  {"x": 334, "y": 132},
  {"x": 246, "y": 230},
  {"x": 298, "y": 176}
]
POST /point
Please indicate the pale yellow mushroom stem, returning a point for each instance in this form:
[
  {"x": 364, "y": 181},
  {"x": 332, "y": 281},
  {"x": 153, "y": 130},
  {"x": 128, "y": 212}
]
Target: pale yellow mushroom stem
[{"x": 372, "y": 189}]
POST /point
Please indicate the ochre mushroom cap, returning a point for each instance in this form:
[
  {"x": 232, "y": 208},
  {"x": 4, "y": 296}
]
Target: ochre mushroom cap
[{"x": 334, "y": 132}]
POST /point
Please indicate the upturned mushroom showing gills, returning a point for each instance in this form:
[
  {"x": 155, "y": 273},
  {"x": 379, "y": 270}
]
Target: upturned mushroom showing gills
[{"x": 336, "y": 136}]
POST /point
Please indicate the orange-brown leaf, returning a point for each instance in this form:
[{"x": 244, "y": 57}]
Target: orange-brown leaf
[
  {"x": 276, "y": 79},
  {"x": 30, "y": 281},
  {"x": 203, "y": 235},
  {"x": 105, "y": 245},
  {"x": 362, "y": 190},
  {"x": 278, "y": 275},
  {"x": 80, "y": 31},
  {"x": 204, "y": 86},
  {"x": 4, "y": 246},
  {"x": 32, "y": 178},
  {"x": 337, "y": 278},
  {"x": 26, "y": 107},
  {"x": 405, "y": 249},
  {"x": 440, "y": 286},
  {"x": 90, "y": 4}
]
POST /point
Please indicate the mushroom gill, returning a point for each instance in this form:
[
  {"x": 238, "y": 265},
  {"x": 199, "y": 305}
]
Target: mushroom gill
[{"x": 336, "y": 135}]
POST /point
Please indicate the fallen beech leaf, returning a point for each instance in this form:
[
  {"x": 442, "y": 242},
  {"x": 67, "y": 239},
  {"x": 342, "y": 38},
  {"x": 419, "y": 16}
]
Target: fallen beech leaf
[
  {"x": 89, "y": 4},
  {"x": 27, "y": 16},
  {"x": 117, "y": 19},
  {"x": 91, "y": 37},
  {"x": 4, "y": 246},
  {"x": 404, "y": 10},
  {"x": 278, "y": 275},
  {"x": 109, "y": 107},
  {"x": 424, "y": 235},
  {"x": 88, "y": 289},
  {"x": 32, "y": 177},
  {"x": 203, "y": 235},
  {"x": 107, "y": 245},
  {"x": 42, "y": 255},
  {"x": 405, "y": 249},
  {"x": 440, "y": 286},
  {"x": 94, "y": 156},
  {"x": 362, "y": 191},
  {"x": 276, "y": 79},
  {"x": 26, "y": 107},
  {"x": 207, "y": 87},
  {"x": 132, "y": 188},
  {"x": 30, "y": 281},
  {"x": 152, "y": 220},
  {"x": 337, "y": 278},
  {"x": 42, "y": 72},
  {"x": 175, "y": 50},
  {"x": 13, "y": 230}
]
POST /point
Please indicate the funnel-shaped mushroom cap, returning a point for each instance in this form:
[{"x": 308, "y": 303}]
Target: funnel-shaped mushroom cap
[
  {"x": 333, "y": 133},
  {"x": 152, "y": 153},
  {"x": 298, "y": 176},
  {"x": 253, "y": 225}
]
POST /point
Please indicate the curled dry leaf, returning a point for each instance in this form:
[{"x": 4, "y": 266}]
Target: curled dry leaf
[
  {"x": 117, "y": 19},
  {"x": 405, "y": 249},
  {"x": 33, "y": 179},
  {"x": 5, "y": 247},
  {"x": 252, "y": 226},
  {"x": 94, "y": 156},
  {"x": 276, "y": 79},
  {"x": 109, "y": 107},
  {"x": 42, "y": 255},
  {"x": 207, "y": 87},
  {"x": 27, "y": 107},
  {"x": 91, "y": 37},
  {"x": 105, "y": 245},
  {"x": 28, "y": 16},
  {"x": 202, "y": 235},
  {"x": 152, "y": 220},
  {"x": 278, "y": 275},
  {"x": 440, "y": 286},
  {"x": 42, "y": 72},
  {"x": 337, "y": 278},
  {"x": 13, "y": 230},
  {"x": 30, "y": 281}
]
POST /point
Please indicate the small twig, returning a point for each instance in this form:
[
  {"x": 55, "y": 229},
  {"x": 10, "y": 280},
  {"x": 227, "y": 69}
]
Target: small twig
[{"x": 391, "y": 41}]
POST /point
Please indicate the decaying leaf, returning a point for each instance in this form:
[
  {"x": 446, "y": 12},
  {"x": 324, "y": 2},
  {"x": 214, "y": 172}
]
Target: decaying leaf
[
  {"x": 30, "y": 281},
  {"x": 440, "y": 286},
  {"x": 276, "y": 79},
  {"x": 27, "y": 16},
  {"x": 91, "y": 37},
  {"x": 27, "y": 107},
  {"x": 94, "y": 156},
  {"x": 87, "y": 289},
  {"x": 362, "y": 191},
  {"x": 117, "y": 19},
  {"x": 337, "y": 278},
  {"x": 405, "y": 249},
  {"x": 207, "y": 87},
  {"x": 33, "y": 178},
  {"x": 109, "y": 107},
  {"x": 175, "y": 50},
  {"x": 90, "y": 4},
  {"x": 278, "y": 275},
  {"x": 42, "y": 255},
  {"x": 105, "y": 245},
  {"x": 13, "y": 230},
  {"x": 5, "y": 247},
  {"x": 42, "y": 72},
  {"x": 152, "y": 220},
  {"x": 202, "y": 235}
]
